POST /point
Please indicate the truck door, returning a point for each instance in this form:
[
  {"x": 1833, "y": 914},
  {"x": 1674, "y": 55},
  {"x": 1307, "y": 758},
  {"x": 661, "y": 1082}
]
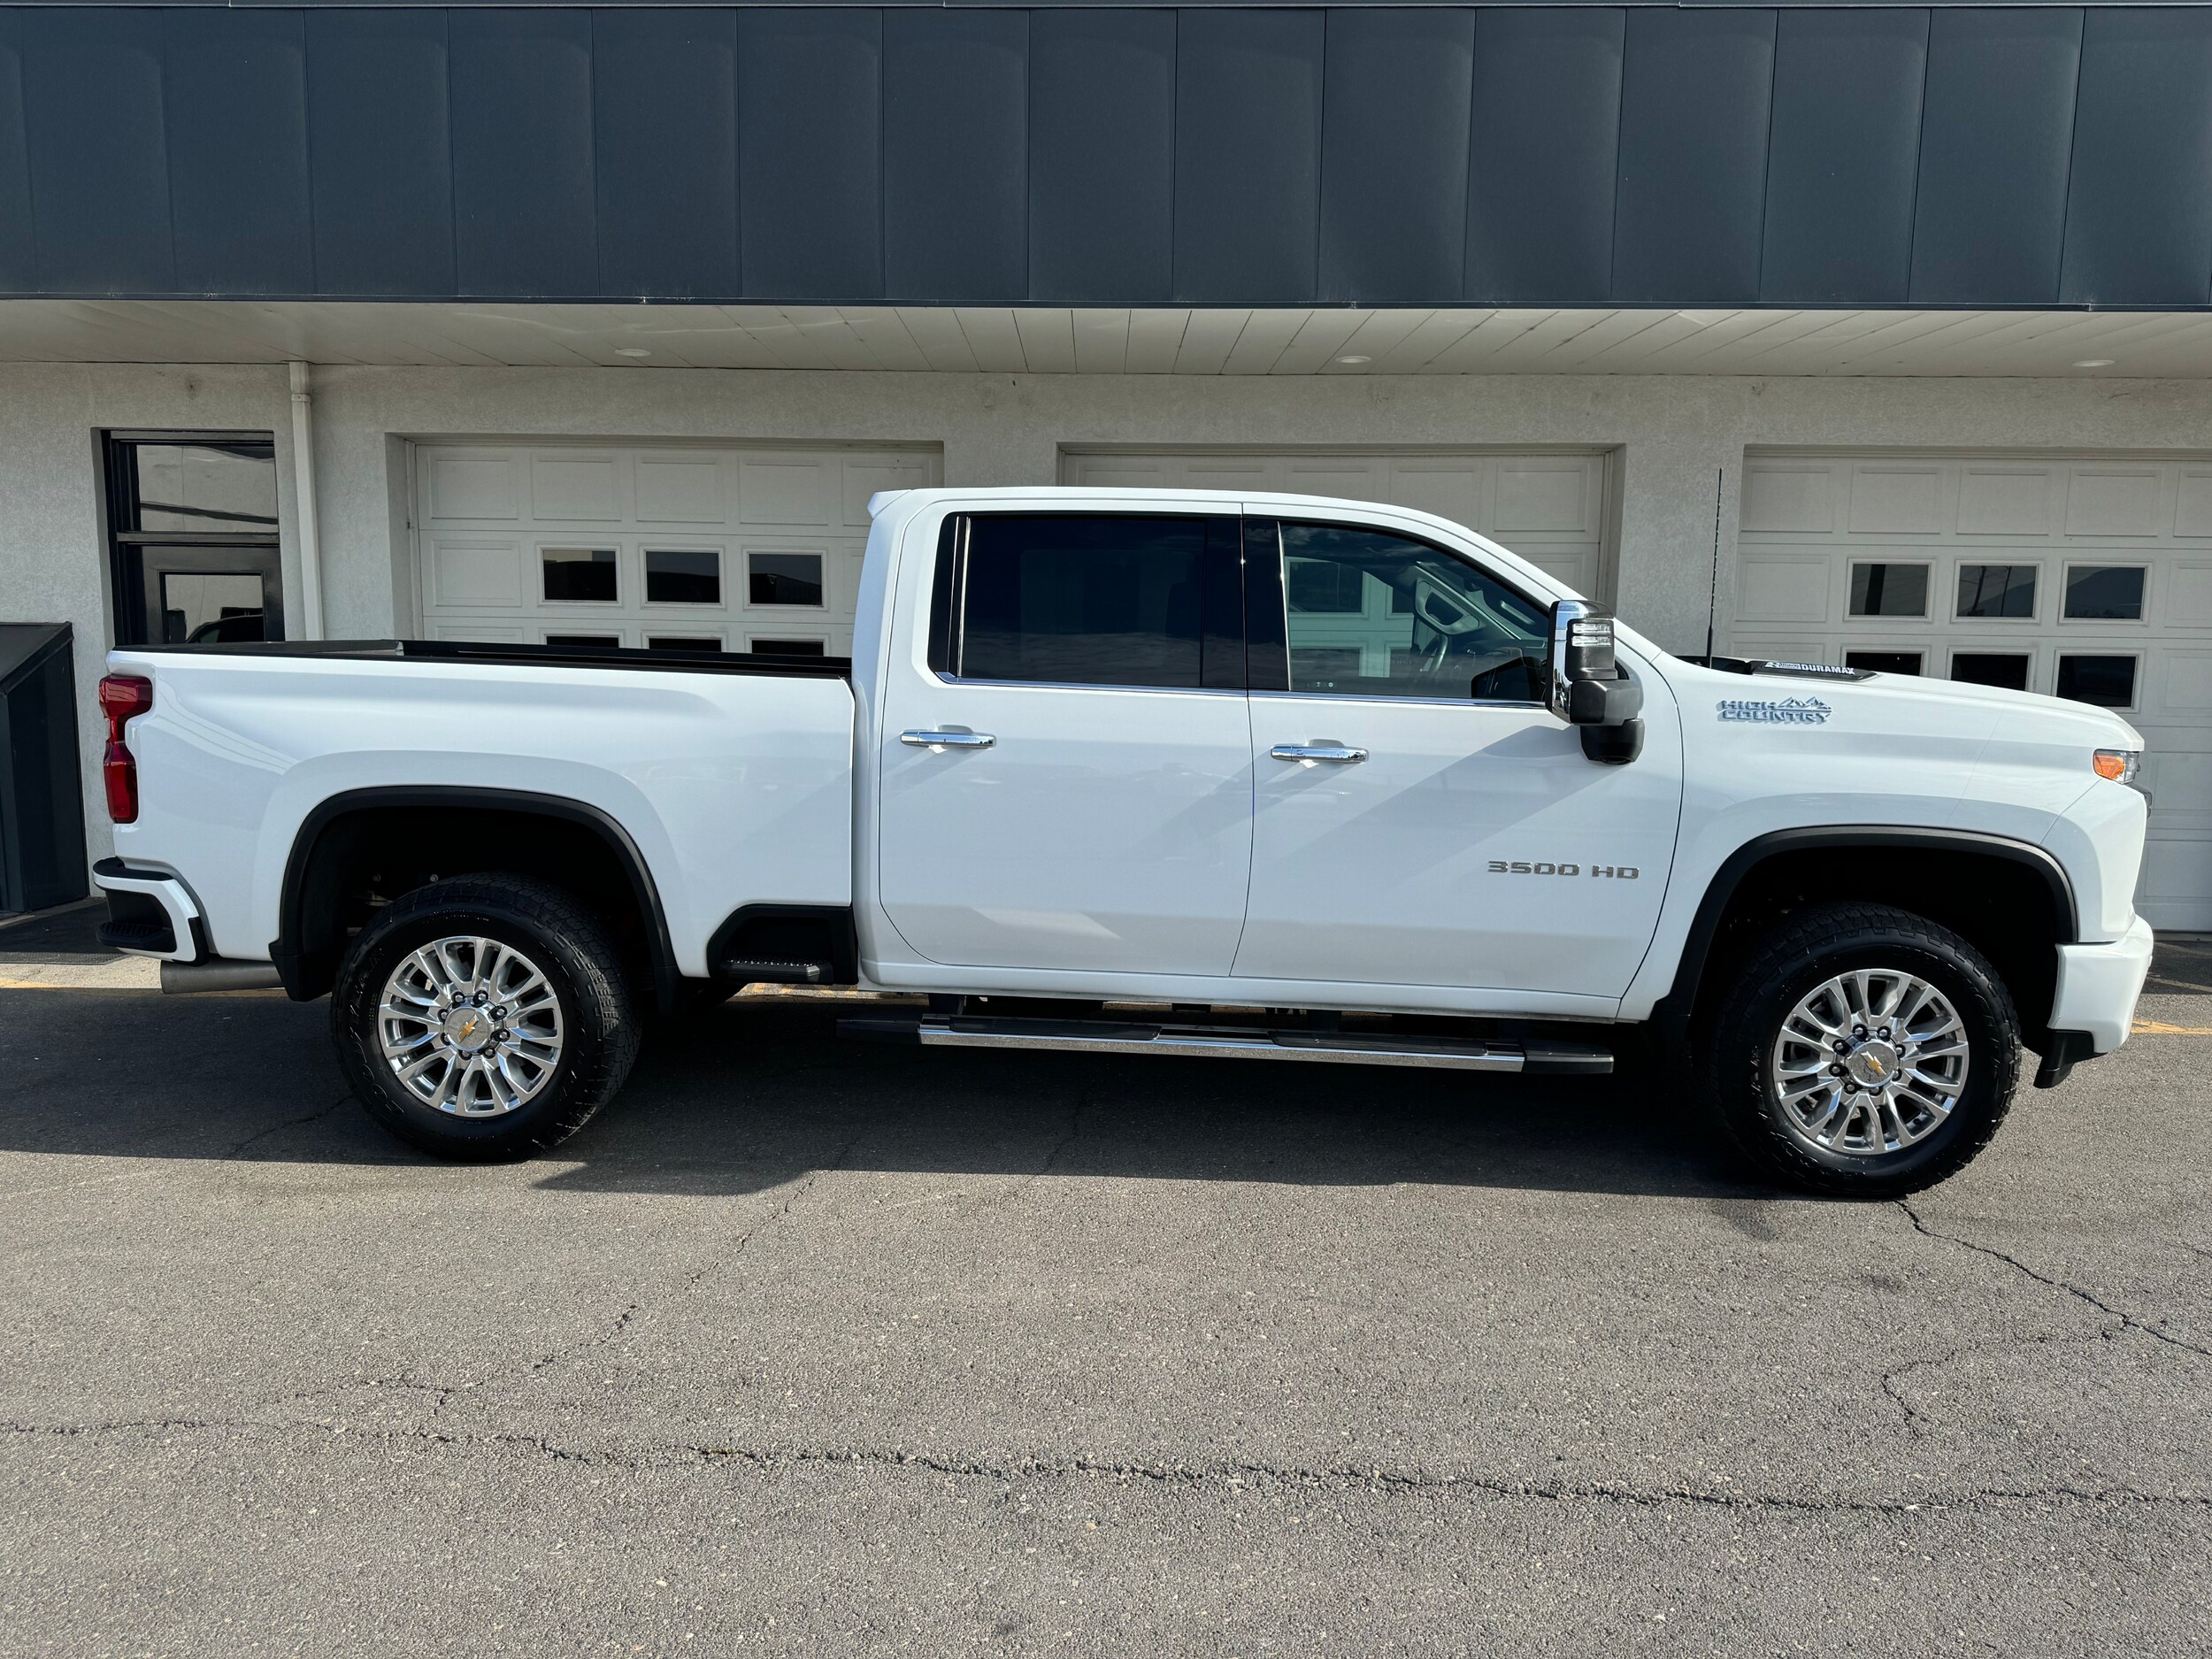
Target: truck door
[
  {"x": 1420, "y": 817},
  {"x": 1068, "y": 782}
]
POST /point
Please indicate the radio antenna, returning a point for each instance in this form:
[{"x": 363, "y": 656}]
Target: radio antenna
[{"x": 1712, "y": 593}]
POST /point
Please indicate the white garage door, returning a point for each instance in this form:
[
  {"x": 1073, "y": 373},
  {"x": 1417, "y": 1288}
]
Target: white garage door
[
  {"x": 1547, "y": 507},
  {"x": 2087, "y": 577},
  {"x": 680, "y": 548}
]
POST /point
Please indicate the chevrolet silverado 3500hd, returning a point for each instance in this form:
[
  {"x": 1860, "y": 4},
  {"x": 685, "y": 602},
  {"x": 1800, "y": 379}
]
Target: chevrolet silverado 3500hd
[{"x": 1141, "y": 771}]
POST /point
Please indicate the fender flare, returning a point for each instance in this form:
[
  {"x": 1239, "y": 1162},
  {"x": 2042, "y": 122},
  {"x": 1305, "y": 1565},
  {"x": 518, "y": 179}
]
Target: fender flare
[
  {"x": 305, "y": 980},
  {"x": 1673, "y": 1009}
]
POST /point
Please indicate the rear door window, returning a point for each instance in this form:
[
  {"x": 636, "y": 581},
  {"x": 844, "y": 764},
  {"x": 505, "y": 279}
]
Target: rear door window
[{"x": 1079, "y": 599}]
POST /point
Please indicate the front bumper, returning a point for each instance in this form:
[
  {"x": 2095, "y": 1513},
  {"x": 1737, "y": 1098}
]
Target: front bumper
[
  {"x": 2098, "y": 986},
  {"x": 150, "y": 913}
]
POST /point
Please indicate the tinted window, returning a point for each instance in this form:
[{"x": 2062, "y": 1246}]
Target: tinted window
[
  {"x": 578, "y": 575},
  {"x": 2104, "y": 592},
  {"x": 1380, "y": 615},
  {"x": 1889, "y": 590},
  {"x": 1075, "y": 600},
  {"x": 2109, "y": 681},
  {"x": 785, "y": 578},
  {"x": 2008, "y": 669},
  {"x": 1996, "y": 591},
  {"x": 1884, "y": 662},
  {"x": 682, "y": 576}
]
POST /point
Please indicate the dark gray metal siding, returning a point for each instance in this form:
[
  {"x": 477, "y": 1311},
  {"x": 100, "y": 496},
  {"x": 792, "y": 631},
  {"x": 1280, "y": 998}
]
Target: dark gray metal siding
[{"x": 1105, "y": 154}]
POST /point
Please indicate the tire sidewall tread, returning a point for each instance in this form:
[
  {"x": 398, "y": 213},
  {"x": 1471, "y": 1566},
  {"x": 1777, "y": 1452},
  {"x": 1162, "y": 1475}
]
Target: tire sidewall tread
[
  {"x": 1782, "y": 966},
  {"x": 579, "y": 959}
]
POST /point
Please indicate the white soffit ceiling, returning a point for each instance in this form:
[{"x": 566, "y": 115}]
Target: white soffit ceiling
[{"x": 1051, "y": 341}]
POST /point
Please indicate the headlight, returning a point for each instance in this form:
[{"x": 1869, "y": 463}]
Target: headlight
[{"x": 2121, "y": 765}]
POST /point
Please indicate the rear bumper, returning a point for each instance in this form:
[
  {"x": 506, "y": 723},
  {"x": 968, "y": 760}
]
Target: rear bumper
[
  {"x": 150, "y": 913},
  {"x": 2098, "y": 986}
]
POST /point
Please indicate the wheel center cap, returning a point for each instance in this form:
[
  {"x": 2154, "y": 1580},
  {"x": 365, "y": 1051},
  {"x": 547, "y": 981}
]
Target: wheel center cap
[
  {"x": 1873, "y": 1064},
  {"x": 467, "y": 1029}
]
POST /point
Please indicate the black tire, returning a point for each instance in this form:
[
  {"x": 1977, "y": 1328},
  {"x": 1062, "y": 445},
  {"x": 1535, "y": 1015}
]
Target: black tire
[
  {"x": 1788, "y": 963},
  {"x": 567, "y": 944}
]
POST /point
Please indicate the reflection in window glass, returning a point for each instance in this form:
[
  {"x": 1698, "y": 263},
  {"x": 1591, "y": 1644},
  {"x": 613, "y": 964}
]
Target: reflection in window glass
[
  {"x": 682, "y": 576},
  {"x": 1076, "y": 600},
  {"x": 2104, "y": 592},
  {"x": 2107, "y": 681},
  {"x": 1884, "y": 662},
  {"x": 2008, "y": 669},
  {"x": 219, "y": 485},
  {"x": 1996, "y": 591},
  {"x": 1405, "y": 620},
  {"x": 1889, "y": 590},
  {"x": 578, "y": 575},
  {"x": 789, "y": 648},
  {"x": 210, "y": 607},
  {"x": 785, "y": 578}
]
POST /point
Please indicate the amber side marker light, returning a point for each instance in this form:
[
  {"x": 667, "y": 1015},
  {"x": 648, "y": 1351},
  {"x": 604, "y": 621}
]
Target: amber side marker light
[{"x": 2119, "y": 764}]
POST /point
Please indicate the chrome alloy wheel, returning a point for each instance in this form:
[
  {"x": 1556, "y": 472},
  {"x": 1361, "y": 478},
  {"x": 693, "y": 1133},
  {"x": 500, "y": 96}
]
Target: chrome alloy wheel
[
  {"x": 470, "y": 1026},
  {"x": 1870, "y": 1063}
]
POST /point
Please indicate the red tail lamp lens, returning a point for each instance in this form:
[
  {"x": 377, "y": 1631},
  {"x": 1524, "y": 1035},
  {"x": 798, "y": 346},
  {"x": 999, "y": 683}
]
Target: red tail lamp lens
[{"x": 122, "y": 697}]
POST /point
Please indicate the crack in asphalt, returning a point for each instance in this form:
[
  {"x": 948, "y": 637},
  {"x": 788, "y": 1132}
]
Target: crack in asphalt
[
  {"x": 1052, "y": 1158},
  {"x": 259, "y": 1135},
  {"x": 723, "y": 1258},
  {"x": 1228, "y": 1477},
  {"x": 2128, "y": 1321}
]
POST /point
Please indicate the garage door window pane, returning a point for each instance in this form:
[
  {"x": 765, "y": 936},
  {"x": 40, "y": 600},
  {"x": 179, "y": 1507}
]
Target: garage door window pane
[
  {"x": 1884, "y": 662},
  {"x": 2104, "y": 592},
  {"x": 682, "y": 643},
  {"x": 585, "y": 642},
  {"x": 789, "y": 648},
  {"x": 2008, "y": 669},
  {"x": 1889, "y": 590},
  {"x": 1386, "y": 616},
  {"x": 2107, "y": 681},
  {"x": 1074, "y": 600},
  {"x": 1996, "y": 591},
  {"x": 578, "y": 575},
  {"x": 682, "y": 576},
  {"x": 785, "y": 578}
]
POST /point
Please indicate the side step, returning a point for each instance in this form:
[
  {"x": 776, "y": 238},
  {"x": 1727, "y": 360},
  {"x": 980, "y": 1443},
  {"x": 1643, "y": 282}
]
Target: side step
[
  {"x": 745, "y": 970},
  {"x": 1531, "y": 1057}
]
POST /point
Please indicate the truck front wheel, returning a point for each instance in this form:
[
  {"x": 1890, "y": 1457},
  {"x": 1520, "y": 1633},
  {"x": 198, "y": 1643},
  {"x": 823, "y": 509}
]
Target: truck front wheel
[
  {"x": 486, "y": 1017},
  {"x": 1861, "y": 1051}
]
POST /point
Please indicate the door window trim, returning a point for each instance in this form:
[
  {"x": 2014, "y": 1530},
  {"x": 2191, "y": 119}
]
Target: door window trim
[
  {"x": 1268, "y": 598},
  {"x": 949, "y": 602}
]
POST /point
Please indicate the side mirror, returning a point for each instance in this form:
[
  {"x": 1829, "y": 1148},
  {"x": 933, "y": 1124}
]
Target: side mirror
[{"x": 1587, "y": 689}]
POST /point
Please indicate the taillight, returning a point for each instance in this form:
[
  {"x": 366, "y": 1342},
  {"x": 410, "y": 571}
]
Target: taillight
[{"x": 122, "y": 696}]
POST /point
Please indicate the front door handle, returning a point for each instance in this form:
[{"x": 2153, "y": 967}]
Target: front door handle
[
  {"x": 1337, "y": 754},
  {"x": 947, "y": 740}
]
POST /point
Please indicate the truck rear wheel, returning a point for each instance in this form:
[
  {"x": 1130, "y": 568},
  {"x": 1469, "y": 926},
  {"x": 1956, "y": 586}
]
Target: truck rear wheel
[
  {"x": 1861, "y": 1051},
  {"x": 486, "y": 1017}
]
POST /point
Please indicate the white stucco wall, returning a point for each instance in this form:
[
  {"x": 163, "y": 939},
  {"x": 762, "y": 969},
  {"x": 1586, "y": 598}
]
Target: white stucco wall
[{"x": 1670, "y": 433}]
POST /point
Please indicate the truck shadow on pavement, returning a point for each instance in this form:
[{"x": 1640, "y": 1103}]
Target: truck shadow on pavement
[{"x": 747, "y": 1097}]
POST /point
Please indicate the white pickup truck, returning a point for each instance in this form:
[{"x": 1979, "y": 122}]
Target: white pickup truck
[{"x": 1156, "y": 773}]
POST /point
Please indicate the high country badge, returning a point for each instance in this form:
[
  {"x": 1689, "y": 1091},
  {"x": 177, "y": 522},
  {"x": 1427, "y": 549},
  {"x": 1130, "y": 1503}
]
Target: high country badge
[{"x": 1789, "y": 711}]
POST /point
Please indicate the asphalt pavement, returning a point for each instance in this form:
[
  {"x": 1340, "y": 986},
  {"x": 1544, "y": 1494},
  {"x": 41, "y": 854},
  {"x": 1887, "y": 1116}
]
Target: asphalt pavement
[{"x": 808, "y": 1347}]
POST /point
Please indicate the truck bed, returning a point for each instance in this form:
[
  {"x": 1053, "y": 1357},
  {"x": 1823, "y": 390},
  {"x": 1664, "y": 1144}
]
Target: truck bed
[{"x": 519, "y": 656}]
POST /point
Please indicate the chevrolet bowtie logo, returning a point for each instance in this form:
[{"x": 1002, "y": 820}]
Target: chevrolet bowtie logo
[{"x": 1876, "y": 1066}]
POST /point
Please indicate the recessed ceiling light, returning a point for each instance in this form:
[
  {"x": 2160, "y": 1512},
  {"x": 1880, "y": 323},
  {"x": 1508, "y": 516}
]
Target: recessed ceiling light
[
  {"x": 1354, "y": 358},
  {"x": 2094, "y": 363},
  {"x": 632, "y": 352}
]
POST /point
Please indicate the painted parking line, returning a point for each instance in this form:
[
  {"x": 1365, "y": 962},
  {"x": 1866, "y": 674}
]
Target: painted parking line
[{"x": 2160, "y": 1028}]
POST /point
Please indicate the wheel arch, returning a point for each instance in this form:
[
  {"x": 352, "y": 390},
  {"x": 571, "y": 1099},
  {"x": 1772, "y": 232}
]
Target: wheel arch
[
  {"x": 1765, "y": 865},
  {"x": 307, "y": 948}
]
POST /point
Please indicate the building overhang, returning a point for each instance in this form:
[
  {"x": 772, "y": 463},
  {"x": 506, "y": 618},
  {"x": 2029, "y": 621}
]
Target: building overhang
[{"x": 1062, "y": 340}]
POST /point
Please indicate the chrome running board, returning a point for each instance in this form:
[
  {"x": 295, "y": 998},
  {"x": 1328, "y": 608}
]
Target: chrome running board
[{"x": 1233, "y": 1042}]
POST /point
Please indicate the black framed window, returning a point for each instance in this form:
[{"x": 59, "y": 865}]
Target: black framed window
[
  {"x": 2007, "y": 669},
  {"x": 2104, "y": 592},
  {"x": 1996, "y": 591},
  {"x": 1884, "y": 662},
  {"x": 2107, "y": 681},
  {"x": 1090, "y": 599},
  {"x": 1884, "y": 589},
  {"x": 193, "y": 555}
]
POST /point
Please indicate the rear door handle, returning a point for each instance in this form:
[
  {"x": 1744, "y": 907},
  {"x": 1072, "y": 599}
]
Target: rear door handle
[
  {"x": 1337, "y": 754},
  {"x": 947, "y": 740}
]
